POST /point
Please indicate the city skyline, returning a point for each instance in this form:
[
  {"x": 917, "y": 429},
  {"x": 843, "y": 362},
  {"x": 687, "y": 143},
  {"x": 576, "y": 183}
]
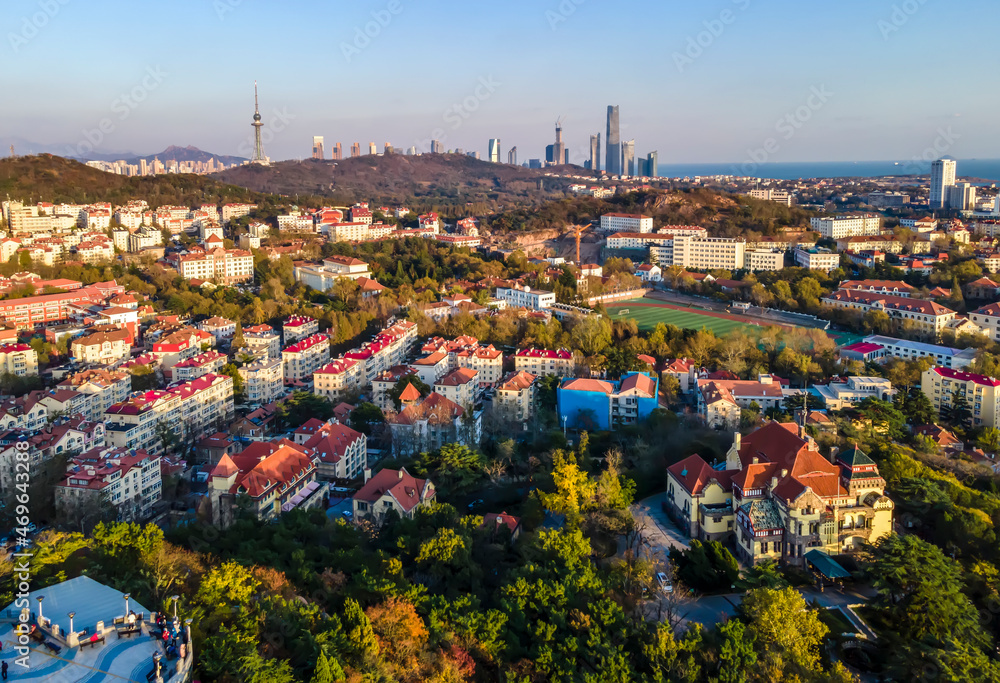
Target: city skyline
[{"x": 701, "y": 85}]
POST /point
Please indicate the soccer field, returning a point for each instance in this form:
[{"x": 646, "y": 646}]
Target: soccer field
[{"x": 648, "y": 315}]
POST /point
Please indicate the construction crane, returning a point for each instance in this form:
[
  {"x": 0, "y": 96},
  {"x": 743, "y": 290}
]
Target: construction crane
[{"x": 577, "y": 232}]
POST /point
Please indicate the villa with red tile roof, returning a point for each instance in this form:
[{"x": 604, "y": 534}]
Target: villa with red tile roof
[
  {"x": 275, "y": 477},
  {"x": 429, "y": 423},
  {"x": 392, "y": 491},
  {"x": 778, "y": 498}
]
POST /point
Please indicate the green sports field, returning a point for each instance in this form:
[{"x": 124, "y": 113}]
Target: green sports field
[{"x": 647, "y": 317}]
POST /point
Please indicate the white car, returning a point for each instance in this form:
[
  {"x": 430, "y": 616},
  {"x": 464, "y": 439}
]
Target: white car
[{"x": 663, "y": 581}]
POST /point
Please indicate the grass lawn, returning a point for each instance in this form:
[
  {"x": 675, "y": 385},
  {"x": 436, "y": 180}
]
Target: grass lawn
[{"x": 647, "y": 317}]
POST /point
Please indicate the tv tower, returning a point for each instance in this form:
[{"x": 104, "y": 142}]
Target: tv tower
[{"x": 258, "y": 150}]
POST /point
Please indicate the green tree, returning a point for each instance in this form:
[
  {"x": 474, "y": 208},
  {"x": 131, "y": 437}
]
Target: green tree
[
  {"x": 360, "y": 635},
  {"x": 788, "y": 633},
  {"x": 302, "y": 406},
  {"x": 737, "y": 657},
  {"x": 574, "y": 489},
  {"x": 365, "y": 417},
  {"x": 327, "y": 670}
]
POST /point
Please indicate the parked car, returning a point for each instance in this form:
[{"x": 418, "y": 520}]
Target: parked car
[
  {"x": 663, "y": 581},
  {"x": 347, "y": 514}
]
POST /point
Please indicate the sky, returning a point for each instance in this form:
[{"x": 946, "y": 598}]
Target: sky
[{"x": 699, "y": 82}]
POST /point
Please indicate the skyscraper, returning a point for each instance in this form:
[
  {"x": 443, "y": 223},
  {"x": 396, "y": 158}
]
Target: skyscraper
[
  {"x": 388, "y": 148},
  {"x": 652, "y": 164},
  {"x": 317, "y": 147},
  {"x": 372, "y": 149},
  {"x": 613, "y": 160},
  {"x": 337, "y": 152},
  {"x": 942, "y": 178},
  {"x": 356, "y": 149},
  {"x": 437, "y": 147},
  {"x": 512, "y": 156},
  {"x": 550, "y": 154},
  {"x": 258, "y": 149},
  {"x": 559, "y": 151},
  {"x": 628, "y": 158},
  {"x": 494, "y": 155},
  {"x": 595, "y": 152}
]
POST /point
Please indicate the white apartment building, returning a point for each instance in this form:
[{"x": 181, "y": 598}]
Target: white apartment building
[
  {"x": 545, "y": 362},
  {"x": 337, "y": 378},
  {"x": 388, "y": 349},
  {"x": 18, "y": 359},
  {"x": 944, "y": 356},
  {"x": 982, "y": 393},
  {"x": 197, "y": 366},
  {"x": 703, "y": 253},
  {"x": 459, "y": 386},
  {"x": 349, "y": 232},
  {"x": 99, "y": 388},
  {"x": 304, "y": 357},
  {"x": 837, "y": 227},
  {"x": 943, "y": 174},
  {"x": 144, "y": 238},
  {"x": 840, "y": 395},
  {"x": 102, "y": 347},
  {"x": 226, "y": 266},
  {"x": 232, "y": 211},
  {"x": 759, "y": 260},
  {"x": 626, "y": 222},
  {"x": 298, "y": 327},
  {"x": 817, "y": 259},
  {"x": 263, "y": 380},
  {"x": 119, "y": 238},
  {"x": 263, "y": 341},
  {"x": 128, "y": 480},
  {"x": 776, "y": 196},
  {"x": 296, "y": 223},
  {"x": 988, "y": 318},
  {"x": 515, "y": 398},
  {"x": 637, "y": 240},
  {"x": 526, "y": 297},
  {"x": 323, "y": 278}
]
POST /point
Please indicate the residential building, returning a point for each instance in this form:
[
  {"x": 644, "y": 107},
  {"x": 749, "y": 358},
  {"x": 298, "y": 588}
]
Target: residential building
[
  {"x": 817, "y": 259},
  {"x": 342, "y": 451},
  {"x": 545, "y": 362},
  {"x": 274, "y": 477},
  {"x": 720, "y": 402},
  {"x": 703, "y": 253},
  {"x": 778, "y": 196},
  {"x": 304, "y": 357},
  {"x": 143, "y": 238},
  {"x": 174, "y": 347},
  {"x": 392, "y": 491},
  {"x": 225, "y": 266},
  {"x": 942, "y": 180},
  {"x": 263, "y": 381},
  {"x": 336, "y": 379},
  {"x": 514, "y": 401},
  {"x": 685, "y": 371},
  {"x": 98, "y": 389},
  {"x": 763, "y": 260},
  {"x": 222, "y": 329},
  {"x": 885, "y": 244},
  {"x": 988, "y": 318},
  {"x": 427, "y": 424},
  {"x": 431, "y": 367},
  {"x": 129, "y": 480},
  {"x": 981, "y": 393},
  {"x": 104, "y": 346},
  {"x": 526, "y": 297},
  {"x": 840, "y": 395},
  {"x": 928, "y": 317},
  {"x": 233, "y": 211},
  {"x": 263, "y": 341},
  {"x": 389, "y": 348},
  {"x": 838, "y": 227},
  {"x": 983, "y": 289},
  {"x": 626, "y": 222},
  {"x": 196, "y": 366},
  {"x": 588, "y": 404},
  {"x": 385, "y": 381},
  {"x": 779, "y": 499},
  {"x": 298, "y": 327},
  {"x": 649, "y": 273},
  {"x": 459, "y": 386},
  {"x": 322, "y": 278},
  {"x": 18, "y": 359}
]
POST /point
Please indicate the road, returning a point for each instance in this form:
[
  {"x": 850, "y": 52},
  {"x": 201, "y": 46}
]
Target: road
[{"x": 661, "y": 533}]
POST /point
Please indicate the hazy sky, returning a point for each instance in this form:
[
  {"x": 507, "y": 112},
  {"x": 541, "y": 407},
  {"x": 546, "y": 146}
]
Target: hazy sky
[{"x": 704, "y": 81}]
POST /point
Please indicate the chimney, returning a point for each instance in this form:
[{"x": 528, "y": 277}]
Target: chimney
[
  {"x": 774, "y": 482},
  {"x": 401, "y": 473},
  {"x": 755, "y": 460},
  {"x": 784, "y": 473},
  {"x": 368, "y": 474},
  {"x": 737, "y": 441}
]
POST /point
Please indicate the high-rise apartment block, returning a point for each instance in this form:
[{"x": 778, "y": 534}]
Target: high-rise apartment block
[
  {"x": 317, "y": 152},
  {"x": 942, "y": 178},
  {"x": 614, "y": 142},
  {"x": 494, "y": 151}
]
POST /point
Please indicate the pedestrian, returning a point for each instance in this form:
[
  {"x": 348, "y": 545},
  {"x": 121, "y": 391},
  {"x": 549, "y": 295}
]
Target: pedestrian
[{"x": 3, "y": 671}]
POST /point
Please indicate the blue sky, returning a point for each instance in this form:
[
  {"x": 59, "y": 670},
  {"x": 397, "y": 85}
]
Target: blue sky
[{"x": 894, "y": 74}]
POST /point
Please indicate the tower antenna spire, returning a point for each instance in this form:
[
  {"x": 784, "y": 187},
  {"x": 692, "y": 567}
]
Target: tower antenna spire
[{"x": 258, "y": 150}]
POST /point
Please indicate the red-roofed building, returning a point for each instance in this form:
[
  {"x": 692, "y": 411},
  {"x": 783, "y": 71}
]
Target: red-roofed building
[
  {"x": 514, "y": 401},
  {"x": 941, "y": 384},
  {"x": 128, "y": 480},
  {"x": 305, "y": 357},
  {"x": 275, "y": 477},
  {"x": 929, "y": 317},
  {"x": 685, "y": 371},
  {"x": 429, "y": 423},
  {"x": 460, "y": 386},
  {"x": 545, "y": 362},
  {"x": 392, "y": 491},
  {"x": 502, "y": 525},
  {"x": 337, "y": 378},
  {"x": 778, "y": 498},
  {"x": 342, "y": 451}
]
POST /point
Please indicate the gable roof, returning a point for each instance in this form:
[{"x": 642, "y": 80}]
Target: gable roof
[
  {"x": 694, "y": 474},
  {"x": 405, "y": 489}
]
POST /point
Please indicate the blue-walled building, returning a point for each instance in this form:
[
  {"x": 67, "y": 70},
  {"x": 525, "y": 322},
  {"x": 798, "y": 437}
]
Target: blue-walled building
[{"x": 602, "y": 405}]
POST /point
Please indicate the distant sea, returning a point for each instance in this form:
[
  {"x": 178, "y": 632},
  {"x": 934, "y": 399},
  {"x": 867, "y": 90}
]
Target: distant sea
[{"x": 985, "y": 169}]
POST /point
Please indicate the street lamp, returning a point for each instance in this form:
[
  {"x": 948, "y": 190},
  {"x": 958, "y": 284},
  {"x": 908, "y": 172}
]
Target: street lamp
[
  {"x": 71, "y": 615},
  {"x": 564, "y": 418},
  {"x": 126, "y": 596},
  {"x": 40, "y": 615},
  {"x": 175, "y": 598}
]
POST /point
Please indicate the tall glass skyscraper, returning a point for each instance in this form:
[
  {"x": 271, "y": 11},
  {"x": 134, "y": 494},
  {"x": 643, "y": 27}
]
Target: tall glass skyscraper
[
  {"x": 595, "y": 152},
  {"x": 614, "y": 153},
  {"x": 652, "y": 161},
  {"x": 628, "y": 158},
  {"x": 942, "y": 178}
]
